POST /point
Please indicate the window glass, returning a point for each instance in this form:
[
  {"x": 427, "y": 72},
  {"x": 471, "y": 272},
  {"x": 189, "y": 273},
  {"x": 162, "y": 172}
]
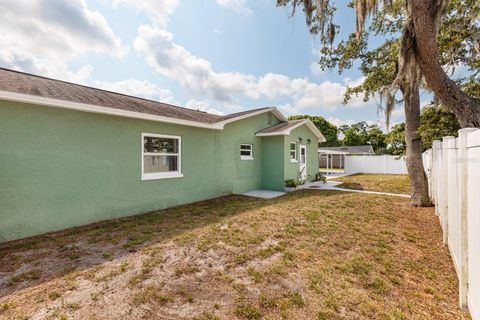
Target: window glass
[
  {"x": 160, "y": 145},
  {"x": 161, "y": 156},
  {"x": 152, "y": 164},
  {"x": 246, "y": 147},
  {"x": 246, "y": 151},
  {"x": 293, "y": 151},
  {"x": 302, "y": 155}
]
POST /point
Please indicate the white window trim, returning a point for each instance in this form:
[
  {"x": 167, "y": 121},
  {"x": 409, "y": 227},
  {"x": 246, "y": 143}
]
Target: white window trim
[
  {"x": 250, "y": 157},
  {"x": 290, "y": 151},
  {"x": 162, "y": 175}
]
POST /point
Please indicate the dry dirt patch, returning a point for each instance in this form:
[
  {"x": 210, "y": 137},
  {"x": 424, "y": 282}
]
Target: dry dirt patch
[{"x": 307, "y": 255}]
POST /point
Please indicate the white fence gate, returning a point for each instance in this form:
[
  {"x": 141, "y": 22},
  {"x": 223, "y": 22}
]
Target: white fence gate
[
  {"x": 386, "y": 164},
  {"x": 453, "y": 171}
]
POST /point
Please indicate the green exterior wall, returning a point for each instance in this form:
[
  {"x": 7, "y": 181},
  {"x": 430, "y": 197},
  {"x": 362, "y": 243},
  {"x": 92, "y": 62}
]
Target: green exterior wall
[
  {"x": 273, "y": 163},
  {"x": 236, "y": 175},
  {"x": 292, "y": 169},
  {"x": 63, "y": 168},
  {"x": 276, "y": 164}
]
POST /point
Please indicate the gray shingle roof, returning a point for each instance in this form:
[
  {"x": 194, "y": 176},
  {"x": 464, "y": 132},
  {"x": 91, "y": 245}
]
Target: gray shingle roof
[
  {"x": 281, "y": 126},
  {"x": 367, "y": 149},
  {"x": 24, "y": 83},
  {"x": 241, "y": 113}
]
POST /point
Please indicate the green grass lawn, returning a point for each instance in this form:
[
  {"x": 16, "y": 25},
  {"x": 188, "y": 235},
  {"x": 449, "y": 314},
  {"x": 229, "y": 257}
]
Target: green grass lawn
[
  {"x": 391, "y": 183},
  {"x": 310, "y": 254}
]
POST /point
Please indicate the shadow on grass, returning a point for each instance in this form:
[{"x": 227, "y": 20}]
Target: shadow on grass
[
  {"x": 30, "y": 261},
  {"x": 351, "y": 185}
]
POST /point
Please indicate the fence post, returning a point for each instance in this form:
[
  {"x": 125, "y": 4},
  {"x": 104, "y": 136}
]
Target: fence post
[
  {"x": 431, "y": 174},
  {"x": 436, "y": 174},
  {"x": 463, "y": 206},
  {"x": 445, "y": 161}
]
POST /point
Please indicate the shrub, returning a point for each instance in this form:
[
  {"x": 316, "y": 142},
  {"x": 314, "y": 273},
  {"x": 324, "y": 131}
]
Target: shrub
[
  {"x": 320, "y": 177},
  {"x": 291, "y": 183}
]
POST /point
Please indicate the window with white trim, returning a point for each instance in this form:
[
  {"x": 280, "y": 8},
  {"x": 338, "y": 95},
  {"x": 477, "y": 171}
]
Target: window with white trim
[
  {"x": 161, "y": 156},
  {"x": 246, "y": 152},
  {"x": 293, "y": 152}
]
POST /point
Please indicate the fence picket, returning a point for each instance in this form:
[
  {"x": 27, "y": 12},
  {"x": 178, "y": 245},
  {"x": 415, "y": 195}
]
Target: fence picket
[{"x": 452, "y": 167}]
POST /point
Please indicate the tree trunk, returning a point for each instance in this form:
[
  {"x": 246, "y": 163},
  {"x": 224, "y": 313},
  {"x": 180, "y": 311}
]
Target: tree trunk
[
  {"x": 409, "y": 83},
  {"x": 418, "y": 178},
  {"x": 426, "y": 15}
]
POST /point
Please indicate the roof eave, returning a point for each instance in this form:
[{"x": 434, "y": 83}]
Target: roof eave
[
  {"x": 271, "y": 134},
  {"x": 274, "y": 110},
  {"x": 288, "y": 131},
  {"x": 313, "y": 127},
  {"x": 57, "y": 103},
  {"x": 332, "y": 152}
]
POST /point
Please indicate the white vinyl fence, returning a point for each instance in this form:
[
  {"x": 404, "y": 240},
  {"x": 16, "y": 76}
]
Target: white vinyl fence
[
  {"x": 385, "y": 164},
  {"x": 453, "y": 171}
]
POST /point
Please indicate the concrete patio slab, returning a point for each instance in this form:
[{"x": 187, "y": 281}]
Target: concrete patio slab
[
  {"x": 332, "y": 185},
  {"x": 335, "y": 175},
  {"x": 265, "y": 194}
]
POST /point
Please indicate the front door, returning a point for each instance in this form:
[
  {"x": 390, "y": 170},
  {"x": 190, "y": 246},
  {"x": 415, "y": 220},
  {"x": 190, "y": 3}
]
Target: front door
[{"x": 303, "y": 162}]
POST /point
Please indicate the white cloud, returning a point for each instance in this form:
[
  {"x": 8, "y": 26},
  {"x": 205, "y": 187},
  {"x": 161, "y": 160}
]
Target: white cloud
[
  {"x": 289, "y": 109},
  {"x": 199, "y": 78},
  {"x": 398, "y": 114},
  {"x": 237, "y": 5},
  {"x": 340, "y": 122},
  {"x": 193, "y": 73},
  {"x": 42, "y": 36},
  {"x": 274, "y": 85},
  {"x": 327, "y": 94},
  {"x": 138, "y": 88},
  {"x": 158, "y": 10},
  {"x": 82, "y": 76},
  {"x": 354, "y": 82},
  {"x": 217, "y": 31},
  {"x": 202, "y": 105},
  {"x": 315, "y": 69}
]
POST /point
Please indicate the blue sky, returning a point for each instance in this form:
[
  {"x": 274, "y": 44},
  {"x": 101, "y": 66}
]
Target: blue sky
[{"x": 219, "y": 56}]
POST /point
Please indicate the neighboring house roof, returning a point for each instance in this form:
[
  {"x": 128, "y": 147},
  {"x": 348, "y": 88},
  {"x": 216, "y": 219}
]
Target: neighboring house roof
[
  {"x": 367, "y": 149},
  {"x": 285, "y": 128},
  {"x": 23, "y": 87}
]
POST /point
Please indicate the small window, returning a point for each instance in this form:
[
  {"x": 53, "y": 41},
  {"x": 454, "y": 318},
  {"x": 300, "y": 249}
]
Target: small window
[
  {"x": 293, "y": 151},
  {"x": 303, "y": 155},
  {"x": 161, "y": 156},
  {"x": 246, "y": 152}
]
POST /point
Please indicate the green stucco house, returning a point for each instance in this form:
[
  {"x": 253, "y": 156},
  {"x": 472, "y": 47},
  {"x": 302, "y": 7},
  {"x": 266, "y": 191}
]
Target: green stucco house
[{"x": 72, "y": 155}]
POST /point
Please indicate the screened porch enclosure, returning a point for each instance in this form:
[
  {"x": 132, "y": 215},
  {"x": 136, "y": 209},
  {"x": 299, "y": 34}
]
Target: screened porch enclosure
[{"x": 331, "y": 162}]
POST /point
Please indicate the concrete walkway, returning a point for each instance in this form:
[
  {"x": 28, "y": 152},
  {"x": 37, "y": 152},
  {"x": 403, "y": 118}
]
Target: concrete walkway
[
  {"x": 329, "y": 185},
  {"x": 338, "y": 175},
  {"x": 318, "y": 185},
  {"x": 332, "y": 185},
  {"x": 265, "y": 194}
]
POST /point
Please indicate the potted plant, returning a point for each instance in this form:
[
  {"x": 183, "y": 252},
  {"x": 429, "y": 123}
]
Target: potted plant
[{"x": 290, "y": 185}]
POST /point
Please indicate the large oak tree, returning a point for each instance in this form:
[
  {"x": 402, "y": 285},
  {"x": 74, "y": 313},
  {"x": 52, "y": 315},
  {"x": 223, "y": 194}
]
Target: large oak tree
[{"x": 398, "y": 64}]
